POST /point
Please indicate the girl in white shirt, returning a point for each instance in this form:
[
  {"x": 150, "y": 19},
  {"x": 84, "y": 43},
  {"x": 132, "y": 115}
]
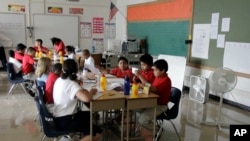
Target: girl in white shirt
[
  {"x": 70, "y": 51},
  {"x": 66, "y": 94}
]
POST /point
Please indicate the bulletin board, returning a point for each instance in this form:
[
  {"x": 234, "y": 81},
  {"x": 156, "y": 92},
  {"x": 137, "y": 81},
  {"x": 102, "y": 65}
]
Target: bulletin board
[
  {"x": 238, "y": 12},
  {"x": 13, "y": 26},
  {"x": 62, "y": 26}
]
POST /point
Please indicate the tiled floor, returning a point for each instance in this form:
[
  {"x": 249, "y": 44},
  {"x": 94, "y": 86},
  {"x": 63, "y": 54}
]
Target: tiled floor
[{"x": 17, "y": 112}]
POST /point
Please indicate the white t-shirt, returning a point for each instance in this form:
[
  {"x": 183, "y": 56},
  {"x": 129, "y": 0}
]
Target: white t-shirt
[
  {"x": 17, "y": 64},
  {"x": 71, "y": 56},
  {"x": 64, "y": 95},
  {"x": 89, "y": 63}
]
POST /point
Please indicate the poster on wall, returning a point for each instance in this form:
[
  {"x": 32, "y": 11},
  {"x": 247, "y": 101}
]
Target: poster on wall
[
  {"x": 16, "y": 8},
  {"x": 55, "y": 10},
  {"x": 201, "y": 36},
  {"x": 98, "y": 25},
  {"x": 110, "y": 30},
  {"x": 85, "y": 30},
  {"x": 98, "y": 44},
  {"x": 76, "y": 11}
]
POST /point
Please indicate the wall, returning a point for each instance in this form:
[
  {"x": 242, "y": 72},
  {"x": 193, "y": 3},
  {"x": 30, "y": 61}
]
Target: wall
[{"x": 92, "y": 8}]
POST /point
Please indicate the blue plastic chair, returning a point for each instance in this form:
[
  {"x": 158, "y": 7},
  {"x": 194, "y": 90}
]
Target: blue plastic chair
[
  {"x": 169, "y": 114},
  {"x": 47, "y": 119},
  {"x": 15, "y": 79}
]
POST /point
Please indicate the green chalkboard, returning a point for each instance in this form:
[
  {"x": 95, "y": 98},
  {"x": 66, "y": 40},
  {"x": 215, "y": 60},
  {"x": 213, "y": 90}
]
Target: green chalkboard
[
  {"x": 163, "y": 37},
  {"x": 237, "y": 10}
]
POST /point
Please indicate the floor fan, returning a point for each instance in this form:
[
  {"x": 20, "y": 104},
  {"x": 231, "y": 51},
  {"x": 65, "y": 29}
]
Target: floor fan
[{"x": 221, "y": 81}]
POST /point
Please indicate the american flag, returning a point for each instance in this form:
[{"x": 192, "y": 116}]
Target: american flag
[{"x": 113, "y": 11}]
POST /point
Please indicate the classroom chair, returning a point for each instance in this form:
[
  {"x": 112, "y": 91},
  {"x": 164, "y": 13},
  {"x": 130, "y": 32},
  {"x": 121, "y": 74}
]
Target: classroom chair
[
  {"x": 170, "y": 113},
  {"x": 46, "y": 118},
  {"x": 15, "y": 79}
]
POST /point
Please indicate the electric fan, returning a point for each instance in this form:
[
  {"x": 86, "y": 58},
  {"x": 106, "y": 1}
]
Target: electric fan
[
  {"x": 221, "y": 81},
  {"x": 198, "y": 89}
]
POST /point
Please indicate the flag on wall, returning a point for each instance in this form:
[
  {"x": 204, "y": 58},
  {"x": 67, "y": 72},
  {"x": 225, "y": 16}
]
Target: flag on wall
[{"x": 113, "y": 11}]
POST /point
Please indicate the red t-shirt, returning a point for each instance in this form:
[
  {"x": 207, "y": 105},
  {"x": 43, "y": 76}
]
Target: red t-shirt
[
  {"x": 121, "y": 74},
  {"x": 60, "y": 47},
  {"x": 43, "y": 49},
  {"x": 48, "y": 96},
  {"x": 19, "y": 56},
  {"x": 148, "y": 75},
  {"x": 28, "y": 63},
  {"x": 163, "y": 85}
]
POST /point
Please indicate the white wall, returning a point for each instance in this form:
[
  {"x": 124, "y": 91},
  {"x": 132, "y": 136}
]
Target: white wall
[{"x": 97, "y": 8}]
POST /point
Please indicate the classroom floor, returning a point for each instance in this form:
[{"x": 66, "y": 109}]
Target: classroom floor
[{"x": 18, "y": 111}]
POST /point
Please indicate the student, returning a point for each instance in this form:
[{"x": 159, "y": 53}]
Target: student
[
  {"x": 39, "y": 46},
  {"x": 122, "y": 70},
  {"x": 17, "y": 65},
  {"x": 58, "y": 45},
  {"x": 67, "y": 117},
  {"x": 28, "y": 64},
  {"x": 70, "y": 51},
  {"x": 43, "y": 68},
  {"x": 28, "y": 70},
  {"x": 146, "y": 75},
  {"x": 19, "y": 53},
  {"x": 89, "y": 62},
  {"x": 49, "y": 85},
  {"x": 162, "y": 87}
]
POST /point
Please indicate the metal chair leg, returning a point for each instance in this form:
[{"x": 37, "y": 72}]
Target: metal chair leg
[
  {"x": 24, "y": 89},
  {"x": 44, "y": 136},
  {"x": 175, "y": 130},
  {"x": 12, "y": 88}
]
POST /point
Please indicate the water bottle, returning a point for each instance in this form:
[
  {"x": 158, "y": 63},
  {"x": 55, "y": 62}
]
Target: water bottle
[
  {"x": 135, "y": 88},
  {"x": 126, "y": 86},
  {"x": 93, "y": 49},
  {"x": 103, "y": 83}
]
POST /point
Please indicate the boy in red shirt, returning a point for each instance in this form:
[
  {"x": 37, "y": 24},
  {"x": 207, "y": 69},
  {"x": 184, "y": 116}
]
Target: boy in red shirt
[
  {"x": 146, "y": 75},
  {"x": 122, "y": 70},
  {"x": 162, "y": 87},
  {"x": 19, "y": 53},
  {"x": 56, "y": 72},
  {"x": 28, "y": 64},
  {"x": 28, "y": 69},
  {"x": 39, "y": 47}
]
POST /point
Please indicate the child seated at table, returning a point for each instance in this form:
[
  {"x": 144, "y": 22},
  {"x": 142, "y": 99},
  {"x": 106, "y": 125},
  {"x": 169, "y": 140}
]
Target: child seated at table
[
  {"x": 28, "y": 69},
  {"x": 39, "y": 46},
  {"x": 49, "y": 85},
  {"x": 17, "y": 65},
  {"x": 43, "y": 68},
  {"x": 19, "y": 53},
  {"x": 66, "y": 97},
  {"x": 146, "y": 75},
  {"x": 70, "y": 52},
  {"x": 161, "y": 87},
  {"x": 122, "y": 69}
]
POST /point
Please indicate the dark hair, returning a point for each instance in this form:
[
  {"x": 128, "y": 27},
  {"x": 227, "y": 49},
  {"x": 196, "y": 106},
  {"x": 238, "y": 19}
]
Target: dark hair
[
  {"x": 20, "y": 46},
  {"x": 40, "y": 41},
  {"x": 11, "y": 53},
  {"x": 161, "y": 65},
  {"x": 55, "y": 40},
  {"x": 86, "y": 51},
  {"x": 123, "y": 59},
  {"x": 147, "y": 59},
  {"x": 31, "y": 49},
  {"x": 70, "y": 49},
  {"x": 69, "y": 69},
  {"x": 57, "y": 66}
]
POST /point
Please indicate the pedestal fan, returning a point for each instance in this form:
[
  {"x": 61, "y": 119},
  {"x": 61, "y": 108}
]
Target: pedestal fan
[{"x": 221, "y": 81}]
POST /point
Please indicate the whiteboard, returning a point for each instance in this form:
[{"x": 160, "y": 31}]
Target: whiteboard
[
  {"x": 12, "y": 26},
  {"x": 62, "y": 26},
  {"x": 176, "y": 69}
]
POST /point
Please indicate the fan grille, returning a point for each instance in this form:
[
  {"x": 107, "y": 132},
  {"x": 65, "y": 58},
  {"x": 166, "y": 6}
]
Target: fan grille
[{"x": 222, "y": 80}]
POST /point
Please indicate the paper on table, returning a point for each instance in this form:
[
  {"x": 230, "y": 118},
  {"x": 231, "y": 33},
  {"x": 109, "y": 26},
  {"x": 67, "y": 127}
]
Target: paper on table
[
  {"x": 115, "y": 80},
  {"x": 97, "y": 95}
]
